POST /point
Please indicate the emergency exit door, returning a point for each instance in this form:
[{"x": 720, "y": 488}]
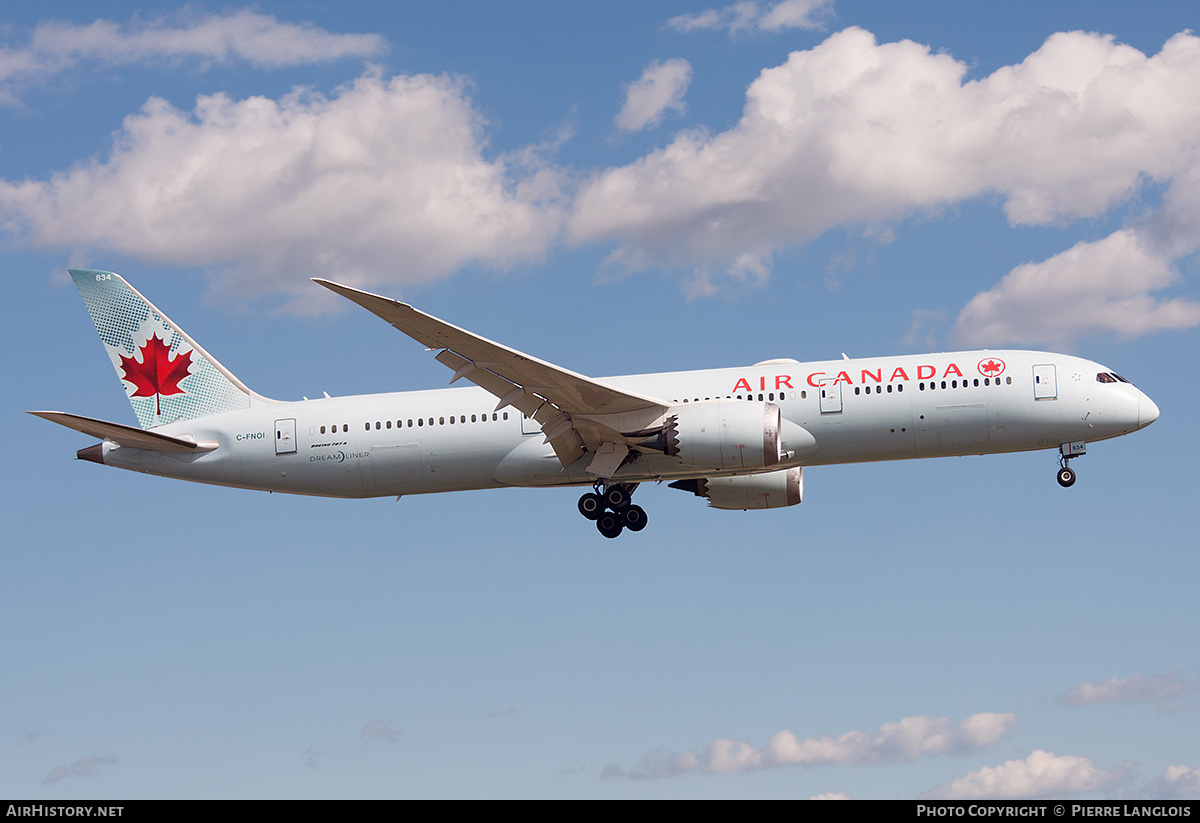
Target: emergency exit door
[
  {"x": 285, "y": 436},
  {"x": 831, "y": 395}
]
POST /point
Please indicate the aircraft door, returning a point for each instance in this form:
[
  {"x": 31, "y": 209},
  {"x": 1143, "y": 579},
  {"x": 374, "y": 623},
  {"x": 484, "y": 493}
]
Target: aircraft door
[
  {"x": 831, "y": 395},
  {"x": 1045, "y": 382},
  {"x": 285, "y": 436},
  {"x": 529, "y": 425}
]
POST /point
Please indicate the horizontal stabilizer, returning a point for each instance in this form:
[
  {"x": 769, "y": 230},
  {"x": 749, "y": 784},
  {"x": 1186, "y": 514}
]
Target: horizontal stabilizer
[{"x": 127, "y": 436}]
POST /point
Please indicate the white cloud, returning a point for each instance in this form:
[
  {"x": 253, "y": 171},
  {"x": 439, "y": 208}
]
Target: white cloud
[
  {"x": 258, "y": 39},
  {"x": 384, "y": 181},
  {"x": 1093, "y": 287},
  {"x": 831, "y": 796},
  {"x": 898, "y": 742},
  {"x": 1042, "y": 774},
  {"x": 659, "y": 90},
  {"x": 83, "y": 767},
  {"x": 1176, "y": 783},
  {"x": 1156, "y": 688},
  {"x": 750, "y": 16},
  {"x": 856, "y": 132}
]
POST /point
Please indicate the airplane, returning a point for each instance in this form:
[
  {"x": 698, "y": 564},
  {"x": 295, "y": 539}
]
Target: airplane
[{"x": 738, "y": 437}]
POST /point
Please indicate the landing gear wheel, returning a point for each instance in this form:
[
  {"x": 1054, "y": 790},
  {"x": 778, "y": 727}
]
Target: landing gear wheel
[
  {"x": 616, "y": 497},
  {"x": 591, "y": 506},
  {"x": 634, "y": 518},
  {"x": 609, "y": 524},
  {"x": 1066, "y": 477}
]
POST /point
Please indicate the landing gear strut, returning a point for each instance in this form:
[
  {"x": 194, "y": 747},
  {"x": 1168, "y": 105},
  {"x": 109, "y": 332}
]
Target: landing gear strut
[{"x": 611, "y": 507}]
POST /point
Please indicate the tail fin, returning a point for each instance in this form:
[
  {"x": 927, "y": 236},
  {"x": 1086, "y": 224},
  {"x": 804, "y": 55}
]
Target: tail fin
[{"x": 166, "y": 375}]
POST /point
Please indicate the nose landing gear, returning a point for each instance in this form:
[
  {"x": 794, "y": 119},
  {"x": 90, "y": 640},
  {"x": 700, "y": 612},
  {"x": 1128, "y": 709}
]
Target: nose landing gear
[
  {"x": 1067, "y": 451},
  {"x": 612, "y": 509}
]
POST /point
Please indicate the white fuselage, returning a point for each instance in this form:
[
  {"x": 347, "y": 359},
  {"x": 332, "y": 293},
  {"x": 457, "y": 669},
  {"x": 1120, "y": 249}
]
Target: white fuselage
[{"x": 889, "y": 408}]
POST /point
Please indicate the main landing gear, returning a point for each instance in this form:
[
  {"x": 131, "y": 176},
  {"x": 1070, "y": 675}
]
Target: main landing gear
[{"x": 612, "y": 509}]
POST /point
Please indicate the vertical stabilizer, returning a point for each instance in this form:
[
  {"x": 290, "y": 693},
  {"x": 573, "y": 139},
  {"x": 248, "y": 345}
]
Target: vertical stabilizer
[{"x": 166, "y": 375}]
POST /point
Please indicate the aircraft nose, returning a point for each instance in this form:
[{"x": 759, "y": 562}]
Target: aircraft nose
[{"x": 1147, "y": 412}]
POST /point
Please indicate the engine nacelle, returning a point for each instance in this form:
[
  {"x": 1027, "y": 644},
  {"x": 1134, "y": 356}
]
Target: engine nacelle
[
  {"x": 771, "y": 490},
  {"x": 726, "y": 435}
]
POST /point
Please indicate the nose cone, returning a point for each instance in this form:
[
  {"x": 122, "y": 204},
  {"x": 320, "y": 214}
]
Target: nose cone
[{"x": 1147, "y": 412}]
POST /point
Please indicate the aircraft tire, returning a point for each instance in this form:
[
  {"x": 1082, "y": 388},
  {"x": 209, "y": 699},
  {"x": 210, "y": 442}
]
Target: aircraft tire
[
  {"x": 1066, "y": 477},
  {"x": 634, "y": 518},
  {"x": 609, "y": 525},
  {"x": 591, "y": 506},
  {"x": 616, "y": 498}
]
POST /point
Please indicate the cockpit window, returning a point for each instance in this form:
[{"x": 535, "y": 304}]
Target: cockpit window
[
  {"x": 1122, "y": 379},
  {"x": 1105, "y": 377}
]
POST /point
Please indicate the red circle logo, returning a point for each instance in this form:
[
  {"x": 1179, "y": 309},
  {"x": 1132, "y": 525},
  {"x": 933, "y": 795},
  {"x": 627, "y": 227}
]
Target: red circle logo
[{"x": 991, "y": 367}]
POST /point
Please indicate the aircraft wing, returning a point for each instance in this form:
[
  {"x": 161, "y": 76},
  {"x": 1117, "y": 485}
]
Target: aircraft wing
[{"x": 562, "y": 401}]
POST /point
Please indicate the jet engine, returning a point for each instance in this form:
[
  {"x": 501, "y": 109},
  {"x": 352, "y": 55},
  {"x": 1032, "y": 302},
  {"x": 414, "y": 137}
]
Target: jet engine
[
  {"x": 727, "y": 435},
  {"x": 770, "y": 490}
]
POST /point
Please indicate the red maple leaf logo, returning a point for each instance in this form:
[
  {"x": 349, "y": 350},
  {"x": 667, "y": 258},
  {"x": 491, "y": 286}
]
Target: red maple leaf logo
[
  {"x": 157, "y": 374},
  {"x": 991, "y": 368}
]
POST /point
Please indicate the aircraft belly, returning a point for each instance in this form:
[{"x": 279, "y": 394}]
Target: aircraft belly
[
  {"x": 861, "y": 432},
  {"x": 417, "y": 468}
]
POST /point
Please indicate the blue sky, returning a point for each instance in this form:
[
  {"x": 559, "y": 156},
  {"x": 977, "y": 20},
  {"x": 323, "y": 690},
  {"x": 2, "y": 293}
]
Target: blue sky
[{"x": 625, "y": 188}]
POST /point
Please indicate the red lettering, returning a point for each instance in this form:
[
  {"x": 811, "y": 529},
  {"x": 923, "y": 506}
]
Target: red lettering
[
  {"x": 843, "y": 376},
  {"x": 876, "y": 375},
  {"x": 899, "y": 371},
  {"x": 921, "y": 375},
  {"x": 740, "y": 383},
  {"x": 952, "y": 369},
  {"x": 762, "y": 383},
  {"x": 816, "y": 384},
  {"x": 782, "y": 380}
]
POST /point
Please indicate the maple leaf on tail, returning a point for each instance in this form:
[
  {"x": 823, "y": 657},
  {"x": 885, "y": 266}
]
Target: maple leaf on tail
[{"x": 157, "y": 374}]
